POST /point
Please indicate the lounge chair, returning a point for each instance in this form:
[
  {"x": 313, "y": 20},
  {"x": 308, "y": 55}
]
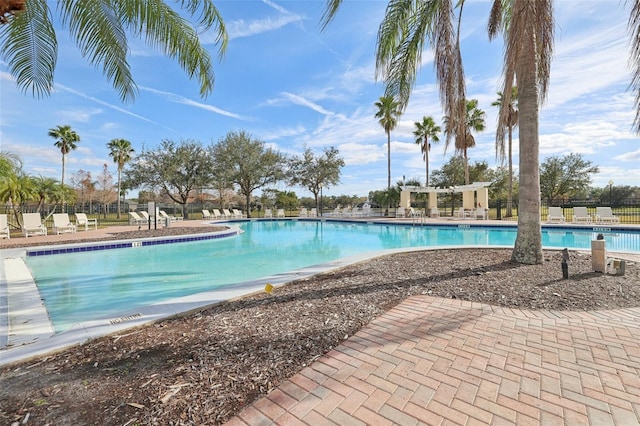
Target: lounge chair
[
  {"x": 4, "y": 227},
  {"x": 226, "y": 214},
  {"x": 206, "y": 214},
  {"x": 366, "y": 210},
  {"x": 313, "y": 212},
  {"x": 303, "y": 212},
  {"x": 83, "y": 220},
  {"x": 555, "y": 215},
  {"x": 434, "y": 212},
  {"x": 238, "y": 214},
  {"x": 164, "y": 215},
  {"x": 480, "y": 213},
  {"x": 216, "y": 214},
  {"x": 135, "y": 219},
  {"x": 280, "y": 213},
  {"x": 268, "y": 213},
  {"x": 580, "y": 215},
  {"x": 32, "y": 224},
  {"x": 400, "y": 212},
  {"x": 461, "y": 213},
  {"x": 414, "y": 213},
  {"x": 62, "y": 223},
  {"x": 605, "y": 215}
]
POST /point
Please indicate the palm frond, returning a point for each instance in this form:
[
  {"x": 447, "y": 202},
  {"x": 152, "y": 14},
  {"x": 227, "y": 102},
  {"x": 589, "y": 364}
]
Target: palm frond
[
  {"x": 30, "y": 48},
  {"x": 634, "y": 59},
  {"x": 210, "y": 17},
  {"x": 101, "y": 38},
  {"x": 164, "y": 29},
  {"x": 329, "y": 13}
]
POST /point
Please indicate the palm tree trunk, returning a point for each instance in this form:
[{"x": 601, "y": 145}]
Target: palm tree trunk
[
  {"x": 62, "y": 179},
  {"x": 119, "y": 176},
  {"x": 466, "y": 168},
  {"x": 510, "y": 195},
  {"x": 528, "y": 245},
  {"x": 426, "y": 182},
  {"x": 388, "y": 173}
]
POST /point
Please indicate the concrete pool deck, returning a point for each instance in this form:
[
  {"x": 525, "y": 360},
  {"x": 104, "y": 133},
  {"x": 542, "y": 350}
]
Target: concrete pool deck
[{"x": 431, "y": 361}]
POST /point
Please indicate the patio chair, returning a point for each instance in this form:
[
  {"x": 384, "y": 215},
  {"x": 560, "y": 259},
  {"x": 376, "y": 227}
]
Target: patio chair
[
  {"x": 461, "y": 213},
  {"x": 303, "y": 212},
  {"x": 580, "y": 214},
  {"x": 226, "y": 214},
  {"x": 164, "y": 215},
  {"x": 135, "y": 219},
  {"x": 280, "y": 213},
  {"x": 434, "y": 212},
  {"x": 605, "y": 215},
  {"x": 206, "y": 214},
  {"x": 313, "y": 212},
  {"x": 400, "y": 212},
  {"x": 62, "y": 223},
  {"x": 238, "y": 214},
  {"x": 83, "y": 220},
  {"x": 268, "y": 213},
  {"x": 555, "y": 215},
  {"x": 216, "y": 214},
  {"x": 480, "y": 213},
  {"x": 32, "y": 224},
  {"x": 4, "y": 227}
]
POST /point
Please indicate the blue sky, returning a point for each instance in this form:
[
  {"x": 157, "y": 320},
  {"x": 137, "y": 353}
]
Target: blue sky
[{"x": 293, "y": 86}]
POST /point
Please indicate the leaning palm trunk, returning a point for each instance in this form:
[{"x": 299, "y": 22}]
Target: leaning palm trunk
[{"x": 528, "y": 245}]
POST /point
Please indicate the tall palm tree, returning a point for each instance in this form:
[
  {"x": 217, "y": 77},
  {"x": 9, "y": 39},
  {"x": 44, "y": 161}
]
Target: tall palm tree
[
  {"x": 66, "y": 140},
  {"x": 527, "y": 26},
  {"x": 473, "y": 120},
  {"x": 100, "y": 29},
  {"x": 425, "y": 131},
  {"x": 512, "y": 123},
  {"x": 120, "y": 150},
  {"x": 387, "y": 115},
  {"x": 48, "y": 190}
]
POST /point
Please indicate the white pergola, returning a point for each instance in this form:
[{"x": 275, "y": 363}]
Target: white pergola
[{"x": 474, "y": 195}]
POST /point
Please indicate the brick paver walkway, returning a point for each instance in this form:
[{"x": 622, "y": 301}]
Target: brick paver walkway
[{"x": 438, "y": 361}]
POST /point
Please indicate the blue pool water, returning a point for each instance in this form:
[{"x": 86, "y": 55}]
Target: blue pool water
[{"x": 91, "y": 285}]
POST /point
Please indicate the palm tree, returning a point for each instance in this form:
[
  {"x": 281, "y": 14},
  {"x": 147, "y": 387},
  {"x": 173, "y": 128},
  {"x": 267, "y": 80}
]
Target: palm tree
[
  {"x": 48, "y": 190},
  {"x": 425, "y": 130},
  {"x": 473, "y": 121},
  {"x": 66, "y": 140},
  {"x": 387, "y": 115},
  {"x": 100, "y": 29},
  {"x": 120, "y": 150},
  {"x": 512, "y": 122},
  {"x": 528, "y": 33}
]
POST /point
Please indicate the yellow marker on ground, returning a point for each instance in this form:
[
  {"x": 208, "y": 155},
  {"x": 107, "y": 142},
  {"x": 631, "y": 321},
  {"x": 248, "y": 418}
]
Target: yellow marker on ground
[{"x": 268, "y": 288}]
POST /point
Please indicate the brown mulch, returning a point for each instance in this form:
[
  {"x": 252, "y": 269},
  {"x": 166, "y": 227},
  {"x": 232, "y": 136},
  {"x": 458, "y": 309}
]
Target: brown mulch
[{"x": 204, "y": 367}]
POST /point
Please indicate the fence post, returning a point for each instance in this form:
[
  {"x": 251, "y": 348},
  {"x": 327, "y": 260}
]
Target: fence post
[{"x": 499, "y": 210}]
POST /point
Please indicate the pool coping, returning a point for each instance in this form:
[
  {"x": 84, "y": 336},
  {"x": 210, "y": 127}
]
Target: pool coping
[{"x": 80, "y": 333}]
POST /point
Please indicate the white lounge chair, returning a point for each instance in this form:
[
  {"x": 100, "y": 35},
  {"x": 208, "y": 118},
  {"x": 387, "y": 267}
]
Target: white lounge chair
[
  {"x": 216, "y": 214},
  {"x": 555, "y": 215},
  {"x": 434, "y": 212},
  {"x": 4, "y": 227},
  {"x": 83, "y": 221},
  {"x": 414, "y": 213},
  {"x": 461, "y": 213},
  {"x": 164, "y": 215},
  {"x": 480, "y": 213},
  {"x": 303, "y": 212},
  {"x": 206, "y": 214},
  {"x": 238, "y": 214},
  {"x": 313, "y": 212},
  {"x": 135, "y": 219},
  {"x": 400, "y": 212},
  {"x": 268, "y": 213},
  {"x": 280, "y": 213},
  {"x": 605, "y": 215},
  {"x": 62, "y": 223},
  {"x": 32, "y": 224},
  {"x": 226, "y": 214},
  {"x": 580, "y": 214}
]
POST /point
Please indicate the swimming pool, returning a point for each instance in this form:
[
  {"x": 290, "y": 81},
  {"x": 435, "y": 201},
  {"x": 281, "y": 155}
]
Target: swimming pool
[{"x": 91, "y": 285}]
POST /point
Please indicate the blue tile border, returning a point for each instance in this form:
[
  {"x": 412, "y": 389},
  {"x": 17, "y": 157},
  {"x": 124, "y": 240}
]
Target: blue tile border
[{"x": 131, "y": 243}]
